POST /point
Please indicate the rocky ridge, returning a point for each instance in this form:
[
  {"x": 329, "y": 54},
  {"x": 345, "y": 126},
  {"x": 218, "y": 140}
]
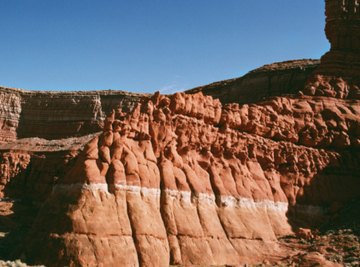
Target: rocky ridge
[
  {"x": 339, "y": 70},
  {"x": 198, "y": 179},
  {"x": 56, "y": 115},
  {"x": 187, "y": 179},
  {"x": 281, "y": 78}
]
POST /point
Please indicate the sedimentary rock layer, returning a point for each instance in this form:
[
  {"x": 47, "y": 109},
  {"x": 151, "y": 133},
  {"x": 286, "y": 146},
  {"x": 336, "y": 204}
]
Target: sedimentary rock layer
[
  {"x": 55, "y": 115},
  {"x": 10, "y": 110},
  {"x": 275, "y": 79},
  {"x": 176, "y": 181},
  {"x": 184, "y": 179},
  {"x": 338, "y": 73},
  {"x": 198, "y": 182}
]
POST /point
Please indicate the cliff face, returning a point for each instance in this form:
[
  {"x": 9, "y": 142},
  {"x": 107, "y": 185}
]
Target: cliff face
[
  {"x": 182, "y": 179},
  {"x": 56, "y": 115},
  {"x": 185, "y": 180},
  {"x": 10, "y": 111},
  {"x": 282, "y": 78},
  {"x": 338, "y": 74}
]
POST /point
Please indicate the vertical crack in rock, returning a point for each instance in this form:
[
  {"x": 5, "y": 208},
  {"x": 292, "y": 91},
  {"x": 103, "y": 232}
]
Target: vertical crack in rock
[{"x": 133, "y": 234}]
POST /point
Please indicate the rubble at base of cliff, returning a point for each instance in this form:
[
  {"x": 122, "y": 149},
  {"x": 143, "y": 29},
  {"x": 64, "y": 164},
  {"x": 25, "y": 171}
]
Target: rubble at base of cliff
[{"x": 16, "y": 263}]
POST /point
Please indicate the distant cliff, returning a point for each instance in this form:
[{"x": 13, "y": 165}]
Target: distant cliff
[
  {"x": 55, "y": 115},
  {"x": 339, "y": 72},
  {"x": 288, "y": 77}
]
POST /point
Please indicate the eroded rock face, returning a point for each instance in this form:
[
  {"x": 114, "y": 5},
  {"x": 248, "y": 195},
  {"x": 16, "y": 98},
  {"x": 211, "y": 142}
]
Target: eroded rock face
[
  {"x": 338, "y": 74},
  {"x": 185, "y": 180},
  {"x": 312, "y": 122},
  {"x": 56, "y": 115},
  {"x": 281, "y": 78},
  {"x": 10, "y": 110}
]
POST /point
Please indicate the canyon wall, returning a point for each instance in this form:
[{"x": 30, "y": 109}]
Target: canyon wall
[
  {"x": 282, "y": 78},
  {"x": 338, "y": 74},
  {"x": 184, "y": 179},
  {"x": 10, "y": 110},
  {"x": 55, "y": 115}
]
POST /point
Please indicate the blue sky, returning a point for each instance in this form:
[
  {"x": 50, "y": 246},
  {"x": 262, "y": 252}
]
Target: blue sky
[{"x": 150, "y": 45}]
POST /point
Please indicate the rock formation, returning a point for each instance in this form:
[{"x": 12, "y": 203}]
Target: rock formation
[
  {"x": 56, "y": 115},
  {"x": 183, "y": 179},
  {"x": 275, "y": 79},
  {"x": 338, "y": 74},
  {"x": 195, "y": 181}
]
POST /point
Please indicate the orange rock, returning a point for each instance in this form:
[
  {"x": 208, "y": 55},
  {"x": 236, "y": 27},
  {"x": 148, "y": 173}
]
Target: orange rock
[{"x": 184, "y": 179}]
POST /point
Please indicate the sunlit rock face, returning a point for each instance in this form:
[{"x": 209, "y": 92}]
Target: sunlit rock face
[
  {"x": 338, "y": 74},
  {"x": 183, "y": 179},
  {"x": 10, "y": 111}
]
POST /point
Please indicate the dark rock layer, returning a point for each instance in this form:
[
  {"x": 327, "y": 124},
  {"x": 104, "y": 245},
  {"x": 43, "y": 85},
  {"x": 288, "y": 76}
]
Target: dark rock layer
[
  {"x": 282, "y": 78},
  {"x": 55, "y": 115}
]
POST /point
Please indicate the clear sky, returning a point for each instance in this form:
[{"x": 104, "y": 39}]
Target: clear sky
[{"x": 149, "y": 45}]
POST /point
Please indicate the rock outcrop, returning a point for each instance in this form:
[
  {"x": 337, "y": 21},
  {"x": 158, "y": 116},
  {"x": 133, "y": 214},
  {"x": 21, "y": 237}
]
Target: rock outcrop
[
  {"x": 338, "y": 74},
  {"x": 185, "y": 179},
  {"x": 282, "y": 78},
  {"x": 56, "y": 115},
  {"x": 10, "y": 111}
]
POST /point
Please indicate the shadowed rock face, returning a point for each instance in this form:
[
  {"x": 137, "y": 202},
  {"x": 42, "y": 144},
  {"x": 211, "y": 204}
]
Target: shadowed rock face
[
  {"x": 56, "y": 115},
  {"x": 338, "y": 74},
  {"x": 282, "y": 78},
  {"x": 181, "y": 179}
]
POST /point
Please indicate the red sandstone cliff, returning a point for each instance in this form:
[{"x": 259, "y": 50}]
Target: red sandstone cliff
[
  {"x": 56, "y": 115},
  {"x": 180, "y": 179},
  {"x": 282, "y": 78},
  {"x": 338, "y": 74},
  {"x": 195, "y": 181}
]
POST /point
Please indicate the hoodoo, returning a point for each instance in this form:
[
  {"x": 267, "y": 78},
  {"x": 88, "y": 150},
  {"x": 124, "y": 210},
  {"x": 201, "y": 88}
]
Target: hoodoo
[
  {"x": 187, "y": 179},
  {"x": 339, "y": 71}
]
